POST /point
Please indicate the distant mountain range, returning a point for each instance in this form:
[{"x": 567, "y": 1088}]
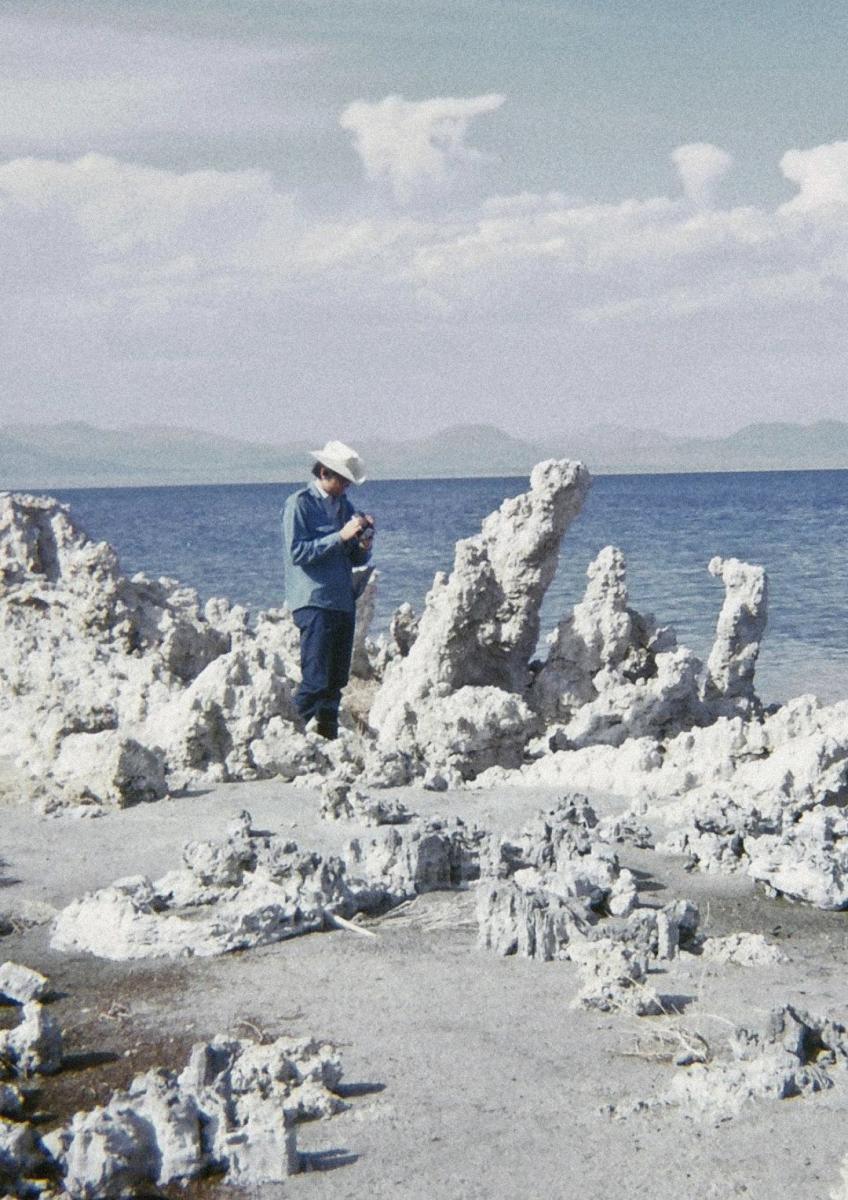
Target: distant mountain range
[{"x": 75, "y": 454}]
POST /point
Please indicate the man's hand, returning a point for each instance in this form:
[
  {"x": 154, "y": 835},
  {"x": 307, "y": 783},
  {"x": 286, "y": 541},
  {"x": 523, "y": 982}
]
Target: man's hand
[{"x": 353, "y": 528}]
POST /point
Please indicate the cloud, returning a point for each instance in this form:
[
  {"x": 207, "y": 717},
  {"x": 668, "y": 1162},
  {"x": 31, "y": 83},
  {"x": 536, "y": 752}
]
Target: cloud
[
  {"x": 125, "y": 213},
  {"x": 701, "y": 168},
  {"x": 66, "y": 86},
  {"x": 119, "y": 230},
  {"x": 125, "y": 279},
  {"x": 410, "y": 142},
  {"x": 821, "y": 175}
]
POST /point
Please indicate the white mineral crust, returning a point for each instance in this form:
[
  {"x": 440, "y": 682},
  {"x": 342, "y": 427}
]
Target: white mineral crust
[
  {"x": 233, "y": 1108},
  {"x": 34, "y": 1045},
  {"x": 21, "y": 984},
  {"x": 740, "y": 629},
  {"x": 478, "y": 631},
  {"x": 116, "y": 688},
  {"x": 250, "y": 890},
  {"x": 22, "y": 1159},
  {"x": 605, "y": 647},
  {"x": 743, "y": 949}
]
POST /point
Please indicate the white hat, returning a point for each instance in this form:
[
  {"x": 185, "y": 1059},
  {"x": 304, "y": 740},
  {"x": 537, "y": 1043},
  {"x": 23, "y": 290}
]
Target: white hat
[{"x": 338, "y": 457}]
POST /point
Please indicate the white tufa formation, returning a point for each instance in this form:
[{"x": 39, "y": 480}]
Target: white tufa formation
[
  {"x": 478, "y": 631},
  {"x": 252, "y": 890},
  {"x": 116, "y": 689},
  {"x": 544, "y": 890},
  {"x": 740, "y": 629},
  {"x": 557, "y": 892},
  {"x": 602, "y": 639},
  {"x": 341, "y": 802},
  {"x": 795, "y": 1054},
  {"x": 612, "y": 674},
  {"x": 33, "y": 1047},
  {"x": 234, "y": 1108},
  {"x": 21, "y": 984}
]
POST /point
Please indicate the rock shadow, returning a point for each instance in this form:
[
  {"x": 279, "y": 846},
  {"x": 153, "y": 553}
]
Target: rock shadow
[
  {"x": 674, "y": 1004},
  {"x": 325, "y": 1160},
  {"x": 88, "y": 1058},
  {"x": 7, "y": 880},
  {"x": 646, "y": 882},
  {"x": 349, "y": 1091}
]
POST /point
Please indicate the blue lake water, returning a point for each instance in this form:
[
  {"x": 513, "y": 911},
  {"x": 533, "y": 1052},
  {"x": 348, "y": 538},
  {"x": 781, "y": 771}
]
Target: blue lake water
[{"x": 225, "y": 540}]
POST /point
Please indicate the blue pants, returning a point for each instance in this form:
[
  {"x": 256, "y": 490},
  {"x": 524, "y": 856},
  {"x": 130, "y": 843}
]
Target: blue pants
[{"x": 326, "y": 645}]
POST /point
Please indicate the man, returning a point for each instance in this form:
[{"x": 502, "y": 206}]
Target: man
[{"x": 324, "y": 538}]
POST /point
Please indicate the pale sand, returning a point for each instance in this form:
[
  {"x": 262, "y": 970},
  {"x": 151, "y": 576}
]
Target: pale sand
[{"x": 470, "y": 1075}]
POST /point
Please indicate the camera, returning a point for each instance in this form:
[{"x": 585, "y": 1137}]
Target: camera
[{"x": 367, "y": 531}]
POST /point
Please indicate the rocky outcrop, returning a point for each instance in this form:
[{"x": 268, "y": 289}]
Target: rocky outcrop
[
  {"x": 765, "y": 793},
  {"x": 252, "y": 889},
  {"x": 454, "y": 700},
  {"x": 741, "y": 624},
  {"x": 234, "y": 1108},
  {"x": 425, "y": 856},
  {"x": 33, "y": 1046},
  {"x": 545, "y": 889},
  {"x": 116, "y": 689},
  {"x": 602, "y": 637},
  {"x": 19, "y": 984},
  {"x": 403, "y": 629},
  {"x": 243, "y": 891},
  {"x": 795, "y": 1054},
  {"x": 558, "y": 892},
  {"x": 769, "y": 801},
  {"x": 23, "y": 1160},
  {"x": 742, "y": 949},
  {"x": 341, "y": 802},
  {"x": 612, "y": 674}
]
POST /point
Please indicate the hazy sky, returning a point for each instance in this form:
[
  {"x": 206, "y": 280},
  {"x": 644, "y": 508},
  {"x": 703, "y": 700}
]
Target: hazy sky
[{"x": 309, "y": 218}]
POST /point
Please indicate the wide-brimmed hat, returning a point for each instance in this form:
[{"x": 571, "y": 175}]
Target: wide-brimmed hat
[{"x": 338, "y": 457}]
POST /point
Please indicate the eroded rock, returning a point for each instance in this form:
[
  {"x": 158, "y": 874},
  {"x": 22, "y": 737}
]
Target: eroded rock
[
  {"x": 234, "y": 1108},
  {"x": 424, "y": 856},
  {"x": 795, "y": 1054},
  {"x": 548, "y": 886},
  {"x": 23, "y": 1159},
  {"x": 33, "y": 1046},
  {"x": 21, "y": 984},
  {"x": 609, "y": 669},
  {"x": 613, "y": 978},
  {"x": 741, "y": 625},
  {"x": 342, "y": 802},
  {"x": 114, "y": 688},
  {"x": 743, "y": 949},
  {"x": 251, "y": 890},
  {"x": 456, "y": 695}
]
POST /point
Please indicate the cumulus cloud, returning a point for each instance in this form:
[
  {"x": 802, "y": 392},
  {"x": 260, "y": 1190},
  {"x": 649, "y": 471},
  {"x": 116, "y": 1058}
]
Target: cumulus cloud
[
  {"x": 120, "y": 227},
  {"x": 222, "y": 282},
  {"x": 701, "y": 167},
  {"x": 126, "y": 213},
  {"x": 409, "y": 142},
  {"x": 821, "y": 175}
]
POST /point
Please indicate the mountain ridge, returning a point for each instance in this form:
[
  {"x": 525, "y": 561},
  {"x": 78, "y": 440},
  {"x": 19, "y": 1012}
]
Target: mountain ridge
[{"x": 78, "y": 454}]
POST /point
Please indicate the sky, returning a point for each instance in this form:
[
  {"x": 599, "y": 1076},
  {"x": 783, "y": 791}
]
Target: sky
[{"x": 297, "y": 219}]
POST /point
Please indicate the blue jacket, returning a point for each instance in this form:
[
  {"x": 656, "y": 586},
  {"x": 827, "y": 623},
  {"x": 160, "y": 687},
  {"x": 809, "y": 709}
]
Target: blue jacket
[{"x": 318, "y": 563}]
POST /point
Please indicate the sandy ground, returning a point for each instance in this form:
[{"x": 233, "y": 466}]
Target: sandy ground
[{"x": 468, "y": 1075}]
